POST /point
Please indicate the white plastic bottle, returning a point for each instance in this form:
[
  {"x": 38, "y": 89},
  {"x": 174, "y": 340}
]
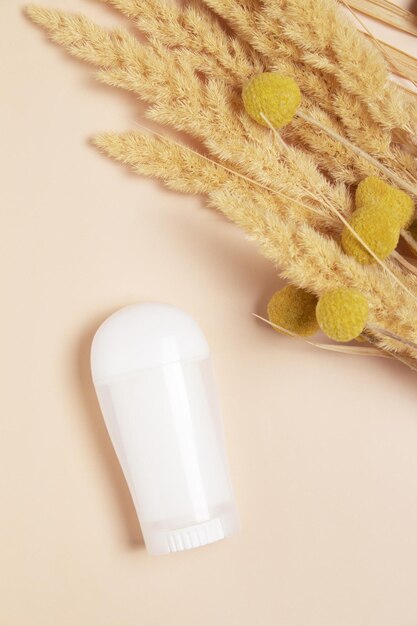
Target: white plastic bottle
[{"x": 153, "y": 377}]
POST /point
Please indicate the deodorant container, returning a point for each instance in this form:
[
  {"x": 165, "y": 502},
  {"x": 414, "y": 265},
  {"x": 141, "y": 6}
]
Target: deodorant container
[{"x": 153, "y": 377}]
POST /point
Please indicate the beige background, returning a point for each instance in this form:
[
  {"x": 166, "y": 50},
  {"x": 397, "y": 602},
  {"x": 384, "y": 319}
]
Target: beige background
[{"x": 322, "y": 447}]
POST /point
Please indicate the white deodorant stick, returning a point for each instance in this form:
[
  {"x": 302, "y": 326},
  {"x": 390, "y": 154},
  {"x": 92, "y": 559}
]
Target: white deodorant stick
[{"x": 153, "y": 377}]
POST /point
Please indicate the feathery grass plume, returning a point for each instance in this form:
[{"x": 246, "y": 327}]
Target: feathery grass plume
[
  {"x": 183, "y": 169},
  {"x": 251, "y": 22},
  {"x": 126, "y": 64},
  {"x": 346, "y": 114},
  {"x": 270, "y": 38},
  {"x": 329, "y": 42},
  {"x": 338, "y": 162},
  {"x": 208, "y": 110},
  {"x": 194, "y": 28},
  {"x": 222, "y": 56},
  {"x": 127, "y": 67},
  {"x": 277, "y": 52},
  {"x": 177, "y": 167}
]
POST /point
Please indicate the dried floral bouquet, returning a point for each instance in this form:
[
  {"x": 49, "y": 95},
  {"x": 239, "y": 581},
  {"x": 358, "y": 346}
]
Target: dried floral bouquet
[{"x": 316, "y": 162}]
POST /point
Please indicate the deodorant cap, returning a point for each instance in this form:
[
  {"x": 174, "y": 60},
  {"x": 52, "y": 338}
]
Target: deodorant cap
[{"x": 152, "y": 372}]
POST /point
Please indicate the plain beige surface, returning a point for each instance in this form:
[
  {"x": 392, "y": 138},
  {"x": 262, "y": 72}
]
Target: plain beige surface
[{"x": 322, "y": 447}]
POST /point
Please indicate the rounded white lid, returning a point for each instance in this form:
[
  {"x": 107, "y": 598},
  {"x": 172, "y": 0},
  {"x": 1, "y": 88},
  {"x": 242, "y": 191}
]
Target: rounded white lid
[{"x": 141, "y": 336}]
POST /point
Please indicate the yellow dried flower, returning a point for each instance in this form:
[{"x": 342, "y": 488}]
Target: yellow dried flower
[
  {"x": 277, "y": 97},
  {"x": 342, "y": 313},
  {"x": 374, "y": 190},
  {"x": 379, "y": 229},
  {"x": 295, "y": 310}
]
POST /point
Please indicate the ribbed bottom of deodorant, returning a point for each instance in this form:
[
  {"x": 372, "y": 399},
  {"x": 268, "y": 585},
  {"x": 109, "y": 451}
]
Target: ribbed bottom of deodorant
[{"x": 165, "y": 541}]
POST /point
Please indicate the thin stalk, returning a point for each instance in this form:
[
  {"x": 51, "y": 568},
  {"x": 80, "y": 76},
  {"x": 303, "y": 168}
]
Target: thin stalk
[
  {"x": 357, "y": 350},
  {"x": 348, "y": 144}
]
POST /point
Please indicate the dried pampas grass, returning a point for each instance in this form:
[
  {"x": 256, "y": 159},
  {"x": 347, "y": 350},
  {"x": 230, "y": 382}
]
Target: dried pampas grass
[{"x": 290, "y": 193}]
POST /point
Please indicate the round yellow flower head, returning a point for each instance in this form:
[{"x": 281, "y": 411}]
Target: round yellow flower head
[
  {"x": 277, "y": 97},
  {"x": 374, "y": 190},
  {"x": 379, "y": 229},
  {"x": 295, "y": 310},
  {"x": 342, "y": 313}
]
